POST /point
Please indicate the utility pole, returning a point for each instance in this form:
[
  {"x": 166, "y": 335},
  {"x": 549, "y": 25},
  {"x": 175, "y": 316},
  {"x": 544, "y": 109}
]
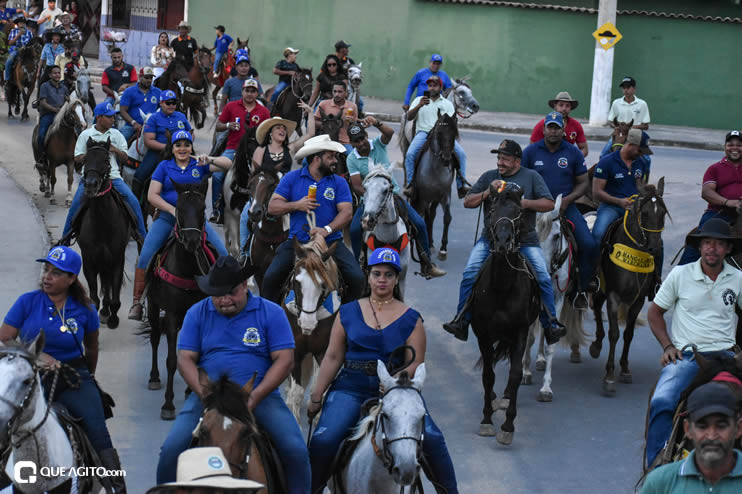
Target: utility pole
[{"x": 600, "y": 97}]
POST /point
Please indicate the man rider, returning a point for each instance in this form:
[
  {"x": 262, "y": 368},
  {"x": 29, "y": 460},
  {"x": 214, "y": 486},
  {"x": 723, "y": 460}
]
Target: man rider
[
  {"x": 703, "y": 296},
  {"x": 117, "y": 77},
  {"x": 367, "y": 153},
  {"x": 7, "y": 13},
  {"x": 52, "y": 48},
  {"x": 221, "y": 47},
  {"x": 419, "y": 81},
  {"x": 52, "y": 95},
  {"x": 285, "y": 69},
  {"x": 184, "y": 45},
  {"x": 626, "y": 109},
  {"x": 232, "y": 90},
  {"x": 234, "y": 333},
  {"x": 71, "y": 31},
  {"x": 341, "y": 51},
  {"x": 536, "y": 198},
  {"x": 722, "y": 189},
  {"x": 425, "y": 113},
  {"x": 18, "y": 37},
  {"x": 67, "y": 57},
  {"x": 138, "y": 99},
  {"x": 573, "y": 132},
  {"x": 332, "y": 208},
  {"x": 338, "y": 105}
]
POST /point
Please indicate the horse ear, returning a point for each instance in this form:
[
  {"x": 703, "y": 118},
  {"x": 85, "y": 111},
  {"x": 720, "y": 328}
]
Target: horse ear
[
  {"x": 203, "y": 378},
  {"x": 386, "y": 380},
  {"x": 249, "y": 385},
  {"x": 360, "y": 65},
  {"x": 298, "y": 249},
  {"x": 108, "y": 143},
  {"x": 419, "y": 379},
  {"x": 439, "y": 113},
  {"x": 37, "y": 345},
  {"x": 203, "y": 187},
  {"x": 557, "y": 206},
  {"x": 661, "y": 186},
  {"x": 329, "y": 252},
  {"x": 178, "y": 187},
  {"x": 90, "y": 142}
]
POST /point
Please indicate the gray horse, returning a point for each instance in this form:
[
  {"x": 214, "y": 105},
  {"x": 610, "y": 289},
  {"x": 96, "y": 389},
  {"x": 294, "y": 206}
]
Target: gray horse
[{"x": 355, "y": 78}]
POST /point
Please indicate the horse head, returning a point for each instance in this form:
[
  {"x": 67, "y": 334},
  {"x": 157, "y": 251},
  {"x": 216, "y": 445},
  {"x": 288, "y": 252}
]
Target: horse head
[
  {"x": 74, "y": 115},
  {"x": 355, "y": 76},
  {"x": 621, "y": 132},
  {"x": 330, "y": 124},
  {"x": 97, "y": 164},
  {"x": 462, "y": 98},
  {"x": 261, "y": 186},
  {"x": 315, "y": 278},
  {"x": 301, "y": 84},
  {"x": 443, "y": 136},
  {"x": 504, "y": 218},
  {"x": 243, "y": 45},
  {"x": 82, "y": 85},
  {"x": 647, "y": 217},
  {"x": 190, "y": 211},
  {"x": 378, "y": 199},
  {"x": 203, "y": 59}
]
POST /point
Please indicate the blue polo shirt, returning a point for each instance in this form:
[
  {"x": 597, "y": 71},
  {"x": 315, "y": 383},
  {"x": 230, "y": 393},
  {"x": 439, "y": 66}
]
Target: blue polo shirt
[
  {"x": 559, "y": 168},
  {"x": 239, "y": 345},
  {"x": 331, "y": 191},
  {"x": 49, "y": 53},
  {"x": 134, "y": 100},
  {"x": 34, "y": 311},
  {"x": 620, "y": 181},
  {"x": 159, "y": 122},
  {"x": 168, "y": 169},
  {"x": 222, "y": 44},
  {"x": 20, "y": 42}
]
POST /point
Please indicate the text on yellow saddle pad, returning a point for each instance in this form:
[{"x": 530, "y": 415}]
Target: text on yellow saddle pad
[{"x": 633, "y": 260}]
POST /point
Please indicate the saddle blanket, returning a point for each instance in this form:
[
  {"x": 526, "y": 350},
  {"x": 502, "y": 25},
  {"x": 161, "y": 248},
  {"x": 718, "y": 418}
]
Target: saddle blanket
[
  {"x": 632, "y": 260},
  {"x": 329, "y": 307}
]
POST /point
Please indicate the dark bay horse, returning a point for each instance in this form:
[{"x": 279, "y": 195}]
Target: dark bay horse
[
  {"x": 286, "y": 106},
  {"x": 640, "y": 230},
  {"x": 23, "y": 78},
  {"x": 434, "y": 174},
  {"x": 104, "y": 233},
  {"x": 191, "y": 84},
  {"x": 267, "y": 232},
  {"x": 235, "y": 191},
  {"x": 504, "y": 303},
  {"x": 171, "y": 281}
]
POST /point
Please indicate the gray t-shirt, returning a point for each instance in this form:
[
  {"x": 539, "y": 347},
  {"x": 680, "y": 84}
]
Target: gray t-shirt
[
  {"x": 533, "y": 186},
  {"x": 54, "y": 95}
]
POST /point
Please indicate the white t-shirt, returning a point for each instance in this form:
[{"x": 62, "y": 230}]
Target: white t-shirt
[
  {"x": 117, "y": 140},
  {"x": 703, "y": 309},
  {"x": 53, "y": 13},
  {"x": 636, "y": 110}
]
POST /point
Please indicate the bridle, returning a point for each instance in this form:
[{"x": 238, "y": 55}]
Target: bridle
[
  {"x": 642, "y": 230},
  {"x": 296, "y": 286},
  {"x": 298, "y": 83},
  {"x": 105, "y": 176},
  {"x": 178, "y": 231},
  {"x": 558, "y": 257},
  {"x": 456, "y": 102},
  {"x": 435, "y": 131},
  {"x": 70, "y": 118},
  {"x": 241, "y": 467},
  {"x": 388, "y": 199}
]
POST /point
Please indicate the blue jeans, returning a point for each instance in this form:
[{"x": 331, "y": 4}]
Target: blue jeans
[
  {"x": 122, "y": 189},
  {"x": 691, "y": 254},
  {"x": 217, "y": 184},
  {"x": 159, "y": 232},
  {"x": 127, "y": 131},
  {"x": 271, "y": 414},
  {"x": 147, "y": 166},
  {"x": 607, "y": 214},
  {"x": 218, "y": 58},
  {"x": 45, "y": 121},
  {"x": 277, "y": 90},
  {"x": 416, "y": 146},
  {"x": 9, "y": 64},
  {"x": 356, "y": 232},
  {"x": 84, "y": 403},
  {"x": 535, "y": 257},
  {"x": 340, "y": 413},
  {"x": 589, "y": 250}
]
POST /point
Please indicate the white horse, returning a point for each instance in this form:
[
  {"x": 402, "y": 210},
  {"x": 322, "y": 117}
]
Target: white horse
[
  {"x": 381, "y": 218},
  {"x": 559, "y": 260},
  {"x": 136, "y": 151},
  {"x": 396, "y": 427},
  {"x": 355, "y": 79},
  {"x": 81, "y": 88}
]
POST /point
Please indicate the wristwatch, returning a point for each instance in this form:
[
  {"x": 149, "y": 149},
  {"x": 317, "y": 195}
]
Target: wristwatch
[{"x": 328, "y": 228}]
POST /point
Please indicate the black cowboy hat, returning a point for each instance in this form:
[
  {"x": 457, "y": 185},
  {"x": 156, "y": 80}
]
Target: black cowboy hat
[
  {"x": 223, "y": 276},
  {"x": 48, "y": 34},
  {"x": 714, "y": 228}
]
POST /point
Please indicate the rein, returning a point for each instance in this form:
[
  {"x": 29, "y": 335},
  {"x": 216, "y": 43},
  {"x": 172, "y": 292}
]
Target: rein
[
  {"x": 388, "y": 198},
  {"x": 639, "y": 223},
  {"x": 295, "y": 82}
]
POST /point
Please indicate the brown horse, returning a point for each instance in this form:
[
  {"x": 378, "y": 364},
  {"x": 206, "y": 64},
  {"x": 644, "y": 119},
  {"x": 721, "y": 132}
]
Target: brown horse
[
  {"x": 191, "y": 84},
  {"x": 267, "y": 232},
  {"x": 225, "y": 66},
  {"x": 23, "y": 78},
  {"x": 286, "y": 106}
]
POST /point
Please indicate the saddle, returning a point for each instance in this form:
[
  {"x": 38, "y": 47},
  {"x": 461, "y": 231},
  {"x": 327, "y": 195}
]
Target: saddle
[
  {"x": 155, "y": 267},
  {"x": 348, "y": 447},
  {"x": 399, "y": 245}
]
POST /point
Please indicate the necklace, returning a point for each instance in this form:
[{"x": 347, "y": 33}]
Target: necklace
[
  {"x": 380, "y": 303},
  {"x": 63, "y": 328}
]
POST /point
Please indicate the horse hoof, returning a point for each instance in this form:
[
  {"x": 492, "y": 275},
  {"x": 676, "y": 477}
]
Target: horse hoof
[
  {"x": 609, "y": 388},
  {"x": 52, "y": 200},
  {"x": 167, "y": 414},
  {"x": 154, "y": 385},
  {"x": 443, "y": 255},
  {"x": 545, "y": 396},
  {"x": 113, "y": 322},
  {"x": 626, "y": 378},
  {"x": 487, "y": 430},
  {"x": 527, "y": 379},
  {"x": 541, "y": 365},
  {"x": 500, "y": 404},
  {"x": 575, "y": 357},
  {"x": 505, "y": 438},
  {"x": 595, "y": 350},
  {"x": 42, "y": 187}
]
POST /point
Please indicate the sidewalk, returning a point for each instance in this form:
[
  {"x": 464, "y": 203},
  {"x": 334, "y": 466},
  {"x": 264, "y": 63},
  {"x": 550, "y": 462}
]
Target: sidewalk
[{"x": 522, "y": 123}]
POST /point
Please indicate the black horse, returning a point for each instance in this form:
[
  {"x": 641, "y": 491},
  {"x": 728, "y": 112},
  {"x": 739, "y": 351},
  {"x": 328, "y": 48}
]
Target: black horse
[
  {"x": 104, "y": 233},
  {"x": 505, "y": 302},
  {"x": 331, "y": 125},
  {"x": 171, "y": 281},
  {"x": 22, "y": 80},
  {"x": 286, "y": 106}
]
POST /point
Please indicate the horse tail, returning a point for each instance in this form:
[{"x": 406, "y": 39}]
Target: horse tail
[
  {"x": 402, "y": 137},
  {"x": 502, "y": 351},
  {"x": 572, "y": 319}
]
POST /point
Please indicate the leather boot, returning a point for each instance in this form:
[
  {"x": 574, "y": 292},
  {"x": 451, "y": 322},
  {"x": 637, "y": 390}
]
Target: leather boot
[
  {"x": 135, "y": 313},
  {"x": 459, "y": 327},
  {"x": 428, "y": 268},
  {"x": 110, "y": 460},
  {"x": 554, "y": 332}
]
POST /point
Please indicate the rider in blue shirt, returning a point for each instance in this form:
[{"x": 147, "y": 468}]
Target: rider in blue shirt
[
  {"x": 221, "y": 45},
  {"x": 19, "y": 37},
  {"x": 235, "y": 333},
  {"x": 419, "y": 81},
  {"x": 7, "y": 13},
  {"x": 52, "y": 48},
  {"x": 142, "y": 96}
]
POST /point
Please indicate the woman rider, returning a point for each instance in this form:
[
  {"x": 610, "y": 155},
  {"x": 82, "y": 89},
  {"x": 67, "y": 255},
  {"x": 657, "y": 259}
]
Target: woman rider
[
  {"x": 183, "y": 168},
  {"x": 330, "y": 72},
  {"x": 61, "y": 308},
  {"x": 368, "y": 330}
]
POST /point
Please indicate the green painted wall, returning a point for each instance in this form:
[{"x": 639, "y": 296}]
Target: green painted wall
[{"x": 517, "y": 58}]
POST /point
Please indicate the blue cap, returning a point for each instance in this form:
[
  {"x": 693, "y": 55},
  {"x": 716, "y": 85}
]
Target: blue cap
[
  {"x": 242, "y": 58},
  {"x": 105, "y": 108},
  {"x": 554, "y": 117},
  {"x": 64, "y": 258},
  {"x": 436, "y": 58},
  {"x": 181, "y": 135},
  {"x": 385, "y": 255},
  {"x": 168, "y": 95},
  {"x": 242, "y": 52}
]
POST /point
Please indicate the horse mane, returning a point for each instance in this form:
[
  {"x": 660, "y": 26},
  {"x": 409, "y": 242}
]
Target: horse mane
[
  {"x": 59, "y": 117},
  {"x": 377, "y": 171},
  {"x": 366, "y": 423},
  {"x": 226, "y": 397},
  {"x": 326, "y": 272},
  {"x": 451, "y": 121}
]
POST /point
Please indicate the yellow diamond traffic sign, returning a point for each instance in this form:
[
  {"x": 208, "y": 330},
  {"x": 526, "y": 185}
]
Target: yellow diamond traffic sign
[{"x": 607, "y": 36}]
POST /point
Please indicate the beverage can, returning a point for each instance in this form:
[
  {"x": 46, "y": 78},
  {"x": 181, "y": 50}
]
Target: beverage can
[
  {"x": 237, "y": 120},
  {"x": 312, "y": 191}
]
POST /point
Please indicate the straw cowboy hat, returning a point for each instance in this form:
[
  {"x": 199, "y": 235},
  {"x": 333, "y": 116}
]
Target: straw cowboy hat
[
  {"x": 185, "y": 24},
  {"x": 205, "y": 467},
  {"x": 318, "y": 144},
  {"x": 265, "y": 128},
  {"x": 564, "y": 96}
]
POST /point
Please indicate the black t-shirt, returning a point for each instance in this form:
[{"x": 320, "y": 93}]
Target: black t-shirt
[
  {"x": 325, "y": 83},
  {"x": 184, "y": 49},
  {"x": 118, "y": 77},
  {"x": 533, "y": 186},
  {"x": 286, "y": 66}
]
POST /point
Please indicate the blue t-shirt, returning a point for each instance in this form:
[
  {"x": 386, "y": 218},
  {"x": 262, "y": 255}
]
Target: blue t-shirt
[
  {"x": 559, "y": 168},
  {"x": 158, "y": 123},
  {"x": 7, "y": 13},
  {"x": 222, "y": 44},
  {"x": 134, "y": 100},
  {"x": 168, "y": 169},
  {"x": 331, "y": 191},
  {"x": 233, "y": 87},
  {"x": 236, "y": 346},
  {"x": 620, "y": 181},
  {"x": 49, "y": 53},
  {"x": 34, "y": 311},
  {"x": 419, "y": 82}
]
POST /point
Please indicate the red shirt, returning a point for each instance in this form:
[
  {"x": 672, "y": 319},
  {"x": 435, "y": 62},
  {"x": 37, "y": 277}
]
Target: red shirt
[
  {"x": 236, "y": 109},
  {"x": 728, "y": 179},
  {"x": 572, "y": 132}
]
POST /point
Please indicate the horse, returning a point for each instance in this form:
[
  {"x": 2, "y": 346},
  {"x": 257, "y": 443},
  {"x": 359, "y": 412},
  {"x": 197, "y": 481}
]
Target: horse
[
  {"x": 387, "y": 458},
  {"x": 381, "y": 219},
  {"x": 268, "y": 232},
  {"x": 551, "y": 229},
  {"x": 235, "y": 190},
  {"x": 505, "y": 301},
  {"x": 355, "y": 79},
  {"x": 171, "y": 281},
  {"x": 23, "y": 78},
  {"x": 314, "y": 279},
  {"x": 434, "y": 176},
  {"x": 59, "y": 142},
  {"x": 223, "y": 70},
  {"x": 104, "y": 233},
  {"x": 191, "y": 84},
  {"x": 82, "y": 90},
  {"x": 228, "y": 423},
  {"x": 640, "y": 230},
  {"x": 286, "y": 106},
  {"x": 331, "y": 125}
]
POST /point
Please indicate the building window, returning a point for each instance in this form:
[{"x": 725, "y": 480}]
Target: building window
[
  {"x": 120, "y": 13},
  {"x": 169, "y": 14}
]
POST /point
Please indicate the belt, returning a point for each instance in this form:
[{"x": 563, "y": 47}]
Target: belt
[
  {"x": 367, "y": 366},
  {"x": 77, "y": 363}
]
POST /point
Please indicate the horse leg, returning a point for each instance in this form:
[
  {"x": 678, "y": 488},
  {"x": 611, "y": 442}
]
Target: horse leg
[
  {"x": 115, "y": 300},
  {"x": 429, "y": 220},
  {"x": 488, "y": 382},
  {"x": 154, "y": 342},
  {"x": 295, "y": 391},
  {"x": 52, "y": 183},
  {"x": 628, "y": 335},
  {"x": 171, "y": 331},
  {"x": 26, "y": 99},
  {"x": 597, "y": 345},
  {"x": 70, "y": 182},
  {"x": 443, "y": 251},
  {"x": 105, "y": 307},
  {"x": 545, "y": 394},
  {"x": 609, "y": 381},
  {"x": 541, "y": 354},
  {"x": 527, "y": 376},
  {"x": 507, "y": 430}
]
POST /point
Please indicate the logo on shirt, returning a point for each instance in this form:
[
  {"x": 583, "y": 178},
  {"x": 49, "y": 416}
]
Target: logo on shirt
[
  {"x": 598, "y": 170},
  {"x": 180, "y": 124},
  {"x": 729, "y": 297},
  {"x": 195, "y": 173},
  {"x": 562, "y": 162},
  {"x": 573, "y": 136},
  {"x": 125, "y": 73},
  {"x": 255, "y": 119},
  {"x": 329, "y": 194},
  {"x": 638, "y": 174},
  {"x": 72, "y": 327},
  {"x": 153, "y": 100},
  {"x": 251, "y": 337},
  {"x": 539, "y": 163},
  {"x": 618, "y": 175}
]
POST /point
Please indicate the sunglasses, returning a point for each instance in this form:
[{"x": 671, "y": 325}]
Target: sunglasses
[
  {"x": 170, "y": 102},
  {"x": 332, "y": 65}
]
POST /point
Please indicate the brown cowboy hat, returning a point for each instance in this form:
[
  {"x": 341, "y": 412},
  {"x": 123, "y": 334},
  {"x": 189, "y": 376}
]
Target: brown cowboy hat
[{"x": 564, "y": 96}]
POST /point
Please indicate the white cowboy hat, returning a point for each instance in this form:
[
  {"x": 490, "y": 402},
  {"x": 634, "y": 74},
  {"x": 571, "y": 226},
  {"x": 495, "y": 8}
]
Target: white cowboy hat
[
  {"x": 265, "y": 127},
  {"x": 205, "y": 467},
  {"x": 184, "y": 24},
  {"x": 317, "y": 144}
]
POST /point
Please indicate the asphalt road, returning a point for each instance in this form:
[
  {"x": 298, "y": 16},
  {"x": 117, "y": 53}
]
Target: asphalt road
[{"x": 582, "y": 442}]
